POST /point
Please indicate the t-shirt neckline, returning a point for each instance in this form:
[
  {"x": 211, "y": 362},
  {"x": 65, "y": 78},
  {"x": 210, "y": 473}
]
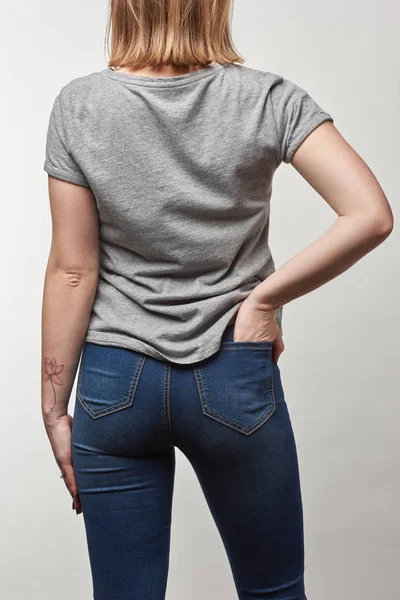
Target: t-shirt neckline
[{"x": 211, "y": 69}]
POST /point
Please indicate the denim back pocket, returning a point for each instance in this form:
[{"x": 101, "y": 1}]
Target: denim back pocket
[
  {"x": 236, "y": 385},
  {"x": 108, "y": 377}
]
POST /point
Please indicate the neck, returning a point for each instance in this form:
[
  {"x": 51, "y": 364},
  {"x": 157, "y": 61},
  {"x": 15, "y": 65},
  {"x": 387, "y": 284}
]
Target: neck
[{"x": 161, "y": 71}]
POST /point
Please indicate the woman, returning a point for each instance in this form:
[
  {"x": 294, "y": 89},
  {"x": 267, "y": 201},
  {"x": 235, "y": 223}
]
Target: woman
[{"x": 160, "y": 177}]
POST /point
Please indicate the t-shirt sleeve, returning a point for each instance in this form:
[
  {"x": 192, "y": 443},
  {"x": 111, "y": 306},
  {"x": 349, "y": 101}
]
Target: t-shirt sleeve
[
  {"x": 59, "y": 162},
  {"x": 296, "y": 114}
]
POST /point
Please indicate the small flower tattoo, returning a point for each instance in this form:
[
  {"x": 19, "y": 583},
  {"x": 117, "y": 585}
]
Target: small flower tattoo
[{"x": 50, "y": 372}]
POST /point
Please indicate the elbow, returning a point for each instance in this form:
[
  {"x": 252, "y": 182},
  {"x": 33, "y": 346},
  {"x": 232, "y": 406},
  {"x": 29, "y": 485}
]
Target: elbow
[
  {"x": 76, "y": 277},
  {"x": 73, "y": 276},
  {"x": 73, "y": 271},
  {"x": 380, "y": 227},
  {"x": 384, "y": 227}
]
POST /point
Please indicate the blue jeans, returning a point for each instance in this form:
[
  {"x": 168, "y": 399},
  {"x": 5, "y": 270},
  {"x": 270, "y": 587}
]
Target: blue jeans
[{"x": 228, "y": 415}]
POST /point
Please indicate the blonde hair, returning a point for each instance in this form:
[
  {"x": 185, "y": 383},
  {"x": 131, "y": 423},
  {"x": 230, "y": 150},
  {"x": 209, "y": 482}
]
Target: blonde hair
[{"x": 170, "y": 32}]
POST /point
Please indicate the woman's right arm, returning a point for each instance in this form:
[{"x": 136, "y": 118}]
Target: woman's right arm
[{"x": 341, "y": 177}]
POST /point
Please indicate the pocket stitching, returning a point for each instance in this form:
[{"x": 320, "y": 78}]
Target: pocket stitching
[
  {"x": 202, "y": 387},
  {"x": 116, "y": 407}
]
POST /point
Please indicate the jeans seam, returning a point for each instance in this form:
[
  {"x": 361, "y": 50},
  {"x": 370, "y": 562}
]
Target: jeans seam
[
  {"x": 121, "y": 405},
  {"x": 166, "y": 401}
]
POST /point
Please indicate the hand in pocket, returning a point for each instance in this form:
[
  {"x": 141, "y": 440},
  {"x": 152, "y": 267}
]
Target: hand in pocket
[{"x": 257, "y": 323}]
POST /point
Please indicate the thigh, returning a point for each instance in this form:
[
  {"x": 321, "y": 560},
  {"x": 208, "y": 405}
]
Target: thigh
[
  {"x": 239, "y": 439},
  {"x": 124, "y": 468}
]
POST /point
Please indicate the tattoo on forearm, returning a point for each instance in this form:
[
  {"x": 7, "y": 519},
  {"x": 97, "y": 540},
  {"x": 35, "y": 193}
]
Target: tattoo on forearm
[{"x": 50, "y": 372}]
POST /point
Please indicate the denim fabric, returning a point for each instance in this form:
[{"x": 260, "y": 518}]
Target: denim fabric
[{"x": 228, "y": 415}]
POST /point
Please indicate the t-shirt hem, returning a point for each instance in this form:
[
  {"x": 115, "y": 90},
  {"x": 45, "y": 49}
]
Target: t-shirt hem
[
  {"x": 307, "y": 129},
  {"x": 138, "y": 346},
  {"x": 64, "y": 175}
]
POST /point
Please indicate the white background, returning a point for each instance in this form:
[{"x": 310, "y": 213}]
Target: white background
[{"x": 340, "y": 368}]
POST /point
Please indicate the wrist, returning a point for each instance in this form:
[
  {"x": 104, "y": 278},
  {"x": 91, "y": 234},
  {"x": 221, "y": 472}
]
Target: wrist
[
  {"x": 52, "y": 418},
  {"x": 261, "y": 301}
]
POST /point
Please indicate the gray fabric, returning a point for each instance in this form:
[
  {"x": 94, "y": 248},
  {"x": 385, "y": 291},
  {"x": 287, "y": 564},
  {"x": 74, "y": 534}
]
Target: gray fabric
[{"x": 181, "y": 169}]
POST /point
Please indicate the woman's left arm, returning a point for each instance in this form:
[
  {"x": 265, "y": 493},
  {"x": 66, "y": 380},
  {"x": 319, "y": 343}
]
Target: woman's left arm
[{"x": 69, "y": 289}]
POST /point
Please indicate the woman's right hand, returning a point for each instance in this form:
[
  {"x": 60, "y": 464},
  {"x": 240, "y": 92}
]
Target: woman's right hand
[
  {"x": 59, "y": 433},
  {"x": 256, "y": 322}
]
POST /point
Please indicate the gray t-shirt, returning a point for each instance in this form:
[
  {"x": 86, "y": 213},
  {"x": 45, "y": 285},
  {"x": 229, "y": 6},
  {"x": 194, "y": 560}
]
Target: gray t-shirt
[{"x": 181, "y": 169}]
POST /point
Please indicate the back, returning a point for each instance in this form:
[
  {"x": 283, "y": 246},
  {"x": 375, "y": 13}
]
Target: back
[{"x": 181, "y": 169}]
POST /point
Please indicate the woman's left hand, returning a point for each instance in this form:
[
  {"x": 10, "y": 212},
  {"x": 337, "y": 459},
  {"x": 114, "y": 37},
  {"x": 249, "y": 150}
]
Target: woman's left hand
[
  {"x": 257, "y": 322},
  {"x": 59, "y": 434}
]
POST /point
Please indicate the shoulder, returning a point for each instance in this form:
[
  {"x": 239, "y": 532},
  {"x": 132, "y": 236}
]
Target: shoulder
[
  {"x": 251, "y": 76},
  {"x": 77, "y": 95},
  {"x": 266, "y": 79},
  {"x": 81, "y": 88},
  {"x": 271, "y": 85}
]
